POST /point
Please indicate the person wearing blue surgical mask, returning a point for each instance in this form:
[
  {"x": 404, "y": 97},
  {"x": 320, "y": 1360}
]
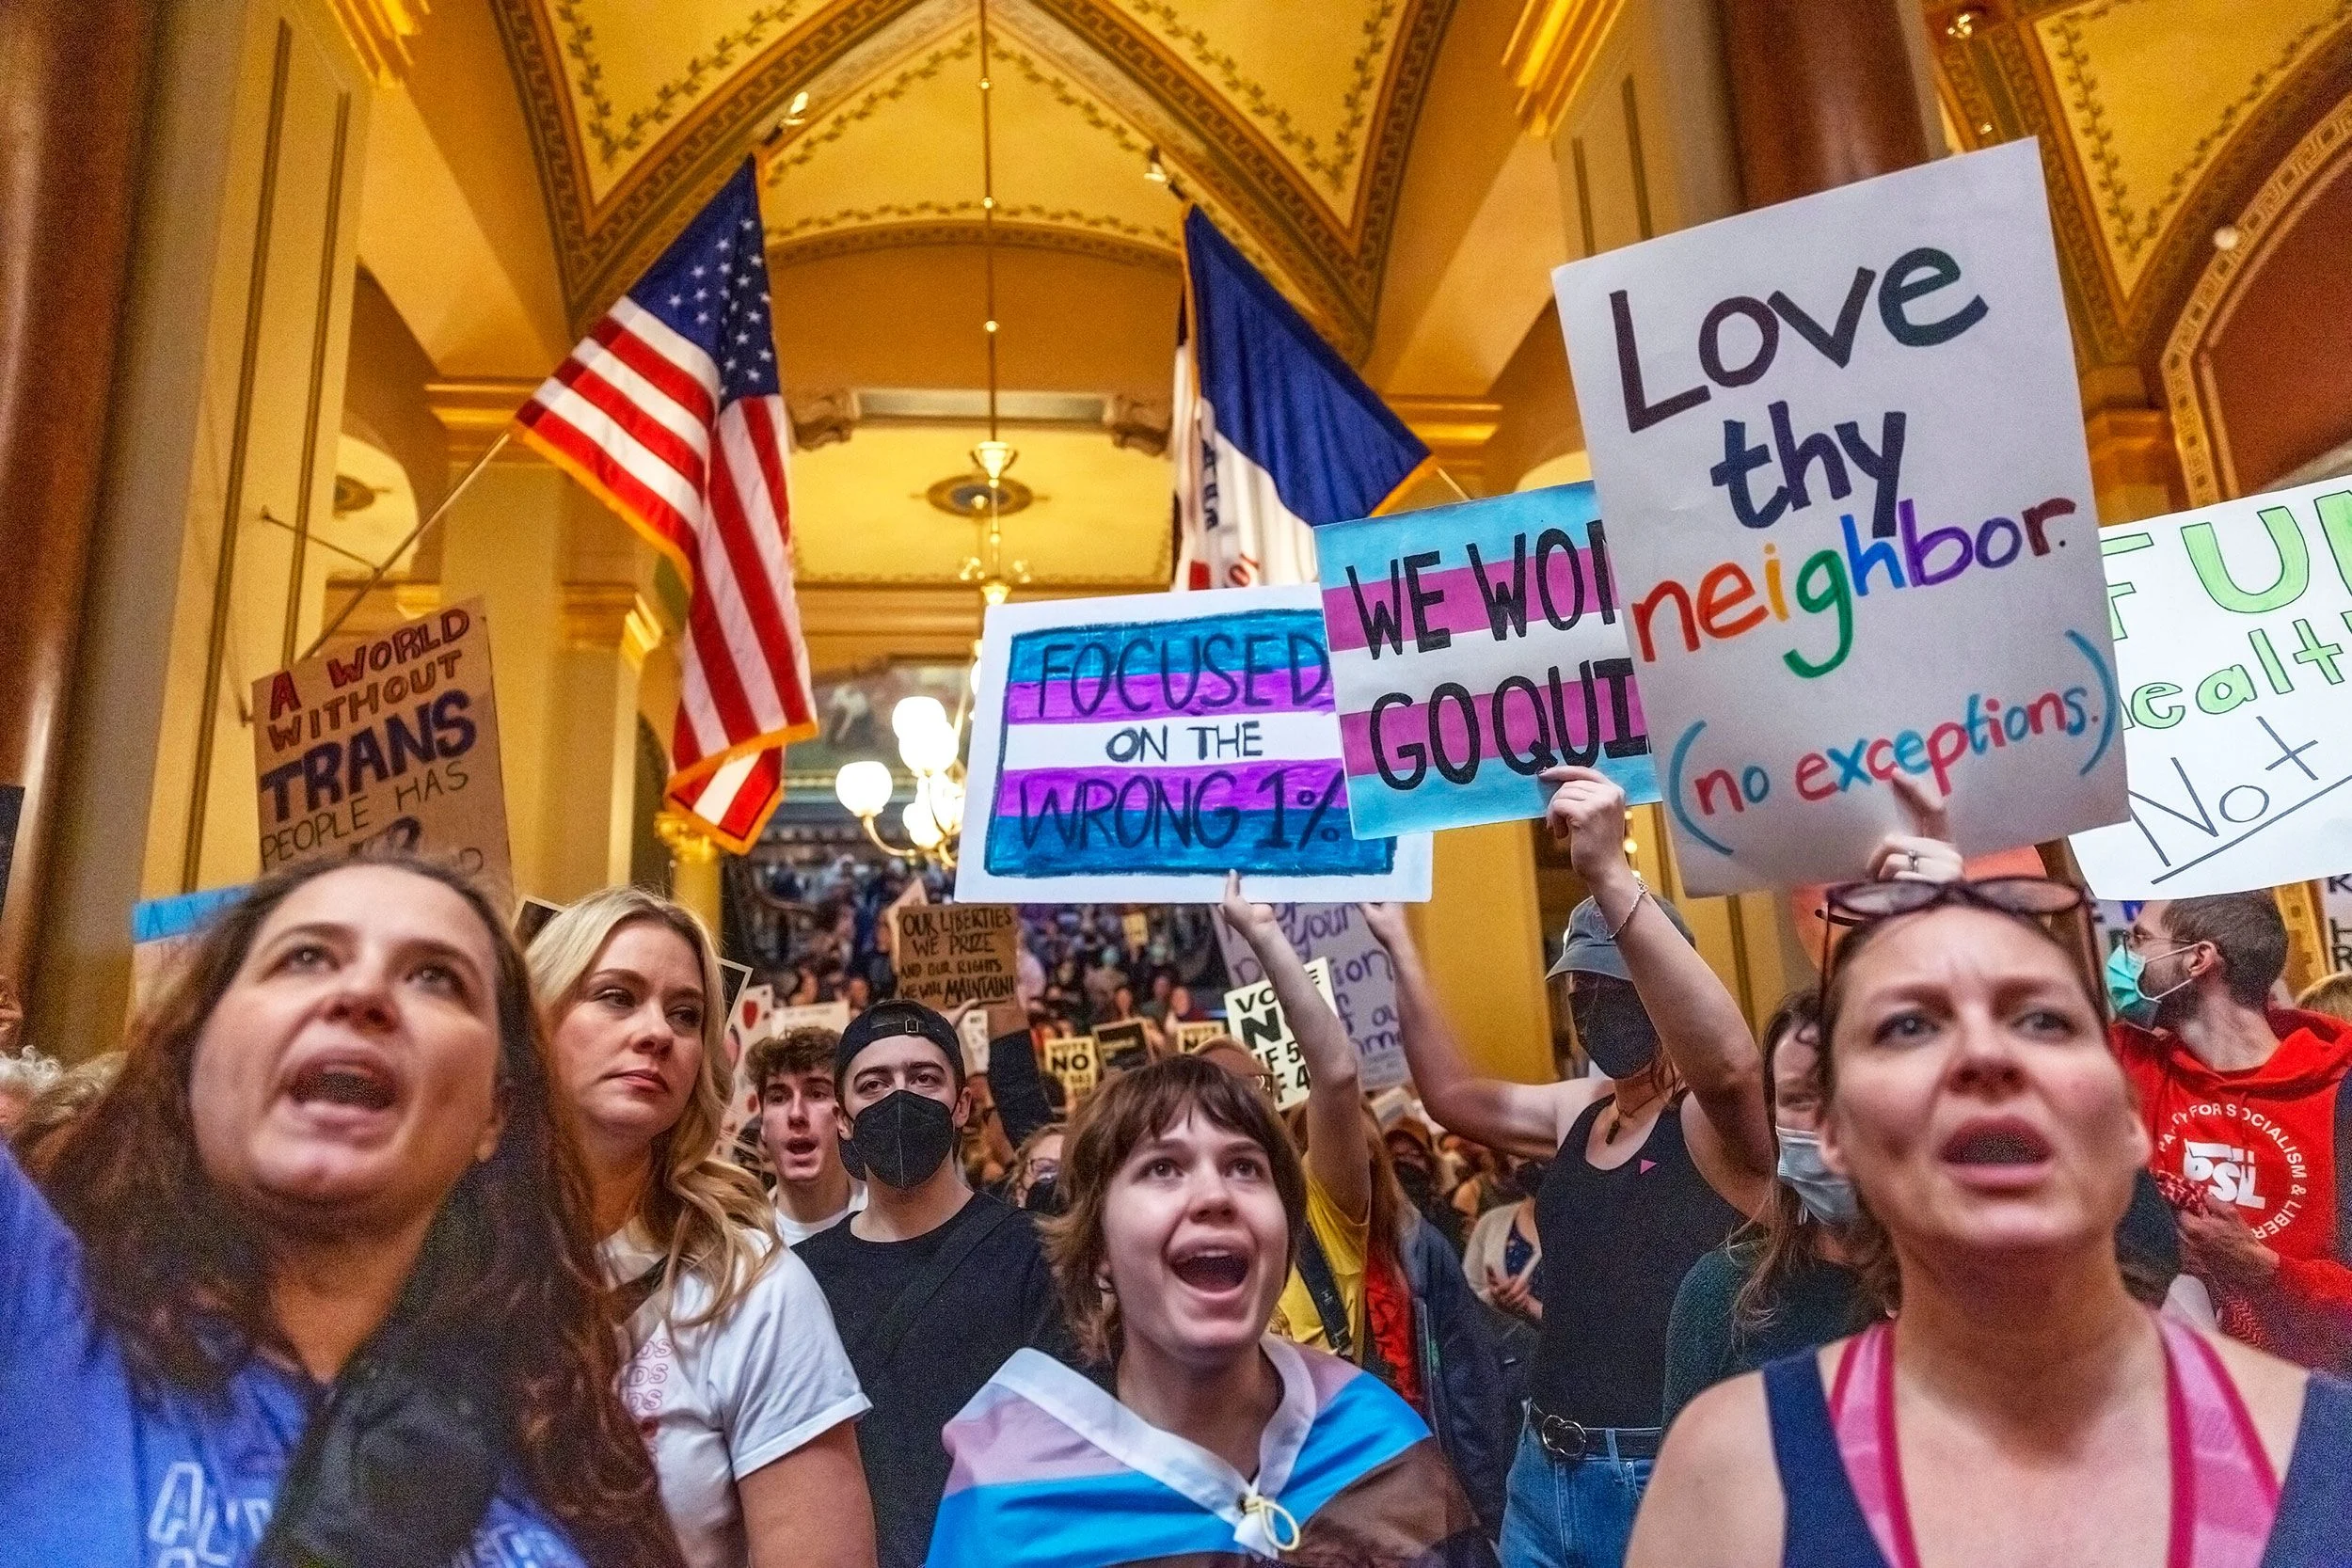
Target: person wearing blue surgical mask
[{"x": 1796, "y": 1279}]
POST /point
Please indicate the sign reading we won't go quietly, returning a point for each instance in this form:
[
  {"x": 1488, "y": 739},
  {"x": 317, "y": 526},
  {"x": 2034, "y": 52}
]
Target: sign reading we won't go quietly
[
  {"x": 393, "y": 738},
  {"x": 2233, "y": 631},
  {"x": 1472, "y": 647},
  {"x": 1839, "y": 446}
]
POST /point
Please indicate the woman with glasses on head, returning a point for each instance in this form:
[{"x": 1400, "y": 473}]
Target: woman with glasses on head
[
  {"x": 1969, "y": 1095},
  {"x": 1210, "y": 1441},
  {"x": 315, "y": 1282},
  {"x": 1651, "y": 1167},
  {"x": 736, "y": 1375}
]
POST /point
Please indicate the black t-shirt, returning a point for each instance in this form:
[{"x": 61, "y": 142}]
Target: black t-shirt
[{"x": 999, "y": 1299}]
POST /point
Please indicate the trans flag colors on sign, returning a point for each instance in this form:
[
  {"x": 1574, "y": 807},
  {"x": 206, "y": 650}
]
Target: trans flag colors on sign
[
  {"x": 1136, "y": 749},
  {"x": 1472, "y": 647}
]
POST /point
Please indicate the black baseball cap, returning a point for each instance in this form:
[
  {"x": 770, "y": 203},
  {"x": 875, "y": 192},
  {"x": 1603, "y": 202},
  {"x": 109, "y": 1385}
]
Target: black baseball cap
[{"x": 892, "y": 1020}]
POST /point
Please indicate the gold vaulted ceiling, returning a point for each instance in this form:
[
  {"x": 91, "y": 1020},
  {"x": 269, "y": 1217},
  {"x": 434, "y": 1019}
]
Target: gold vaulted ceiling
[{"x": 1288, "y": 122}]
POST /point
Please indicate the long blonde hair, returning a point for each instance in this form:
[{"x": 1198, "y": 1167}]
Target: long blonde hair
[{"x": 718, "y": 1223}]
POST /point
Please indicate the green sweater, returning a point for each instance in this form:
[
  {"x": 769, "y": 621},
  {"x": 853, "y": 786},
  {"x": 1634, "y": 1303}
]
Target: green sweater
[{"x": 1816, "y": 1303}]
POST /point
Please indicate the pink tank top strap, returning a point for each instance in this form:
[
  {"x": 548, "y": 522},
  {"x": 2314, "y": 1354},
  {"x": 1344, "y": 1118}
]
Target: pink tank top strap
[
  {"x": 1862, "y": 1408},
  {"x": 2225, "y": 1494}
]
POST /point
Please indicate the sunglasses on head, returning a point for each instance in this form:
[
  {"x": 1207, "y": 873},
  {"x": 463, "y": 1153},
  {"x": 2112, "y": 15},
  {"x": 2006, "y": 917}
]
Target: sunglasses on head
[{"x": 1855, "y": 905}]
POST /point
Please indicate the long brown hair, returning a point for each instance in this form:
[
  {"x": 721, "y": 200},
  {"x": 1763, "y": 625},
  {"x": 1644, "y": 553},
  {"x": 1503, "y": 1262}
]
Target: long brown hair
[
  {"x": 1117, "y": 1118},
  {"x": 509, "y": 1266}
]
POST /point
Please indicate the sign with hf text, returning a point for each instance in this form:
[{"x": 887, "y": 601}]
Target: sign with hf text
[{"x": 1839, "y": 445}]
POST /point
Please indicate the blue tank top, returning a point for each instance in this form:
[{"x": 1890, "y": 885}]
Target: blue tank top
[{"x": 1826, "y": 1528}]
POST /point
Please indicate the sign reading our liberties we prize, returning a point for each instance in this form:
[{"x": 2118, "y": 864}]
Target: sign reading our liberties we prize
[
  {"x": 1839, "y": 446},
  {"x": 1135, "y": 750},
  {"x": 1472, "y": 647},
  {"x": 2233, "y": 649},
  {"x": 392, "y": 739},
  {"x": 951, "y": 954}
]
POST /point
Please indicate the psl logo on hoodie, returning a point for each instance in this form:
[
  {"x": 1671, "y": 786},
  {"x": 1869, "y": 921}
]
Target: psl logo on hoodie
[{"x": 2235, "y": 1154}]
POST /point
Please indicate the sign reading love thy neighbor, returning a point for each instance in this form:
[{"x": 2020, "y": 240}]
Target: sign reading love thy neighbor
[
  {"x": 951, "y": 954},
  {"x": 1839, "y": 446},
  {"x": 2233, "y": 632},
  {"x": 1254, "y": 1017},
  {"x": 1364, "y": 982},
  {"x": 1135, "y": 750},
  {"x": 1472, "y": 647},
  {"x": 393, "y": 738}
]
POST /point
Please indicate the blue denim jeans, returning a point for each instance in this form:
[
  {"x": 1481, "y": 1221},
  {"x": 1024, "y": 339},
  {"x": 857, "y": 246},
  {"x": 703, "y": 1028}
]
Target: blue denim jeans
[{"x": 1569, "y": 1513}]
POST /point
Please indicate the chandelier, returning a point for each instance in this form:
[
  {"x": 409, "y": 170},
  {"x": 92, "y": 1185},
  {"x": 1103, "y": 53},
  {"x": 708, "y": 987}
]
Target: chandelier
[{"x": 930, "y": 743}]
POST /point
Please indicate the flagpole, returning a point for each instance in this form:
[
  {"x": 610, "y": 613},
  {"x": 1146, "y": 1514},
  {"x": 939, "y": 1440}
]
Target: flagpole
[{"x": 402, "y": 549}]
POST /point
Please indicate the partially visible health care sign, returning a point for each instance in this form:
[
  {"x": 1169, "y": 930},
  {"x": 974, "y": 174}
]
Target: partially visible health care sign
[
  {"x": 1839, "y": 446},
  {"x": 951, "y": 954},
  {"x": 1134, "y": 749},
  {"x": 1255, "y": 1017},
  {"x": 2233, "y": 653},
  {"x": 1472, "y": 647},
  {"x": 1364, "y": 982},
  {"x": 392, "y": 739}
]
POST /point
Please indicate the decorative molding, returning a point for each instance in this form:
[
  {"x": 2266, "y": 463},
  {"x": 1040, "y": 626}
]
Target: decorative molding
[
  {"x": 2188, "y": 392},
  {"x": 1551, "y": 52},
  {"x": 379, "y": 31},
  {"x": 595, "y": 615},
  {"x": 388, "y": 605},
  {"x": 641, "y": 634},
  {"x": 669, "y": 96},
  {"x": 854, "y": 242},
  {"x": 1140, "y": 424},
  {"x": 475, "y": 410}
]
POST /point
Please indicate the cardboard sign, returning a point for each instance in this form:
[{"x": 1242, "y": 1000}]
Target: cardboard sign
[
  {"x": 1363, "y": 983},
  {"x": 1135, "y": 750},
  {"x": 1472, "y": 647},
  {"x": 951, "y": 954},
  {"x": 1254, "y": 1017},
  {"x": 2232, "y": 653},
  {"x": 1192, "y": 1036},
  {"x": 809, "y": 1015},
  {"x": 1839, "y": 446},
  {"x": 2335, "y": 913},
  {"x": 530, "y": 918},
  {"x": 1125, "y": 1045},
  {"x": 393, "y": 738},
  {"x": 1074, "y": 1060}
]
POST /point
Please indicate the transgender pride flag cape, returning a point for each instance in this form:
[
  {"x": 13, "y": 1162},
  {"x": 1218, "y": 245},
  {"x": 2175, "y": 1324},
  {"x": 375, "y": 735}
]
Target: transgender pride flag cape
[{"x": 1050, "y": 1471}]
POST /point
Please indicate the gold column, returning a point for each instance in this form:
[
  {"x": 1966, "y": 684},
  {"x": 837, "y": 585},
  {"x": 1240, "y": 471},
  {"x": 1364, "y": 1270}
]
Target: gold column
[{"x": 694, "y": 880}]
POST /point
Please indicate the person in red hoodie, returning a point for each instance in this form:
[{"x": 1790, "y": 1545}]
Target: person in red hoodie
[{"x": 2251, "y": 1123}]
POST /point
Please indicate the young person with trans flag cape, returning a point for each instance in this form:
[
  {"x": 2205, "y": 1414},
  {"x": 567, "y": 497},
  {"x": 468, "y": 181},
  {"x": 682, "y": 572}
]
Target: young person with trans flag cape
[
  {"x": 1273, "y": 434},
  {"x": 1208, "y": 1443}
]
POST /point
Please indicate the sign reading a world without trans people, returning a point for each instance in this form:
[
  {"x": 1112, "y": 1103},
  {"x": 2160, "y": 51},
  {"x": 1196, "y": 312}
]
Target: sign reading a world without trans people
[
  {"x": 1840, "y": 450},
  {"x": 1472, "y": 647},
  {"x": 2234, "y": 646},
  {"x": 1135, "y": 750}
]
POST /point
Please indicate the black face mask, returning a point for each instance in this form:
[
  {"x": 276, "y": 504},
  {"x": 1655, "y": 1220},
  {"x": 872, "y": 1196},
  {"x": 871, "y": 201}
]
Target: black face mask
[
  {"x": 1044, "y": 1196},
  {"x": 1419, "y": 1191},
  {"x": 900, "y": 1139},
  {"x": 1612, "y": 1027}
]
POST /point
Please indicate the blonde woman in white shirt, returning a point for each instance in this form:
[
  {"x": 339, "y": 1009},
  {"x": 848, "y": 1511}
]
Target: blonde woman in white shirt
[{"x": 737, "y": 1377}]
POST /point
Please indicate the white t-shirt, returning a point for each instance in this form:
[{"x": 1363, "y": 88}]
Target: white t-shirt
[
  {"x": 719, "y": 1401},
  {"x": 796, "y": 1231}
]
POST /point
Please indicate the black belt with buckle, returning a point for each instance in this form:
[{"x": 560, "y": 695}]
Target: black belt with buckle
[{"x": 1571, "y": 1441}]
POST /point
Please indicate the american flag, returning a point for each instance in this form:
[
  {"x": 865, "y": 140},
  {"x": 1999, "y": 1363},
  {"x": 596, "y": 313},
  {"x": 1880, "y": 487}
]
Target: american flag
[{"x": 672, "y": 411}]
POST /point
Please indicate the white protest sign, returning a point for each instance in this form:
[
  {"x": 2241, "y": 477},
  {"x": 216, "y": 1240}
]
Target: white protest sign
[
  {"x": 1254, "y": 1017},
  {"x": 2336, "y": 915},
  {"x": 1839, "y": 446},
  {"x": 1134, "y": 749},
  {"x": 1363, "y": 983},
  {"x": 2232, "y": 651}
]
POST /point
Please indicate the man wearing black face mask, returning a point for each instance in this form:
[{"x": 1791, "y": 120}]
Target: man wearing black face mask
[{"x": 933, "y": 1285}]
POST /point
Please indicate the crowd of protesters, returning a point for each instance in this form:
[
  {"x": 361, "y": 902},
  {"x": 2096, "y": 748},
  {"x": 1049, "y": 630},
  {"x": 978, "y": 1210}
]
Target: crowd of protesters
[{"x": 383, "y": 1240}]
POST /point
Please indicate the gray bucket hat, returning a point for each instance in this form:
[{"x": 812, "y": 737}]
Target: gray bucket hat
[{"x": 1585, "y": 947}]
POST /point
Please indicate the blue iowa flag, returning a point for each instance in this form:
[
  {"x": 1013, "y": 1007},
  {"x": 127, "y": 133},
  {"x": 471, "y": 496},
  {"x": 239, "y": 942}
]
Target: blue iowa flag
[{"x": 1273, "y": 434}]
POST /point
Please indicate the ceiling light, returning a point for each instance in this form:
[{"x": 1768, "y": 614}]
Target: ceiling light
[{"x": 864, "y": 788}]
